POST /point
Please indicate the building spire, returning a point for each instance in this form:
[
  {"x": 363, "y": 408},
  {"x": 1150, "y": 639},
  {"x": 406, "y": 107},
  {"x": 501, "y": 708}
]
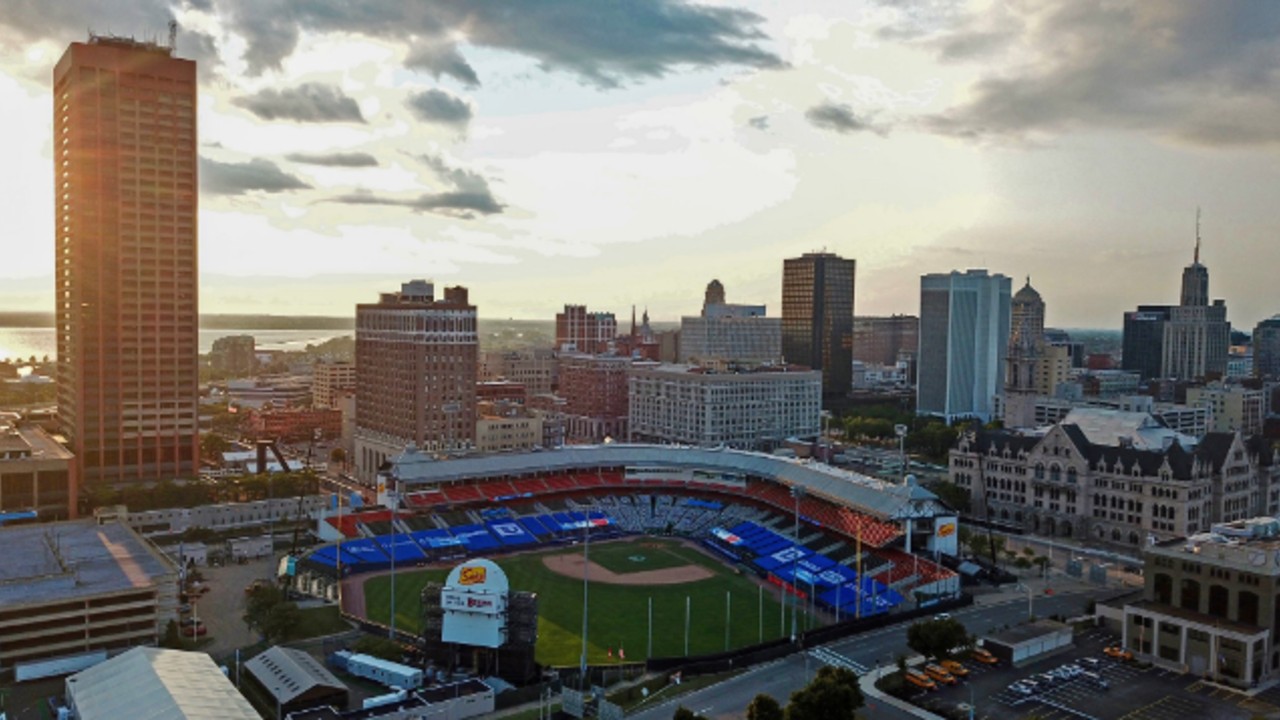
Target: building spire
[{"x": 1197, "y": 255}]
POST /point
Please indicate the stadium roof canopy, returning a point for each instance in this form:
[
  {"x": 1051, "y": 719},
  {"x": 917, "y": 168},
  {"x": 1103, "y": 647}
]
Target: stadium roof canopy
[
  {"x": 151, "y": 683},
  {"x": 867, "y": 494}
]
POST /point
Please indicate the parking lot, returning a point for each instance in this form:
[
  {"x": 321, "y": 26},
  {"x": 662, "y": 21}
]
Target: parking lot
[{"x": 1134, "y": 692}]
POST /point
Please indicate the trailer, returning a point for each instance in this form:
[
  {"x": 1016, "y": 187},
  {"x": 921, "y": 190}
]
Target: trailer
[{"x": 384, "y": 672}]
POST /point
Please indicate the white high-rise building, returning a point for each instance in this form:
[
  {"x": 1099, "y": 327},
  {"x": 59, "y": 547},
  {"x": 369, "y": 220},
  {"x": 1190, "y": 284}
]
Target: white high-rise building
[
  {"x": 754, "y": 410},
  {"x": 964, "y": 339}
]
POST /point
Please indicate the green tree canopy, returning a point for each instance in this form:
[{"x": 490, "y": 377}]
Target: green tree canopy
[
  {"x": 764, "y": 707},
  {"x": 937, "y": 638},
  {"x": 684, "y": 713},
  {"x": 833, "y": 694}
]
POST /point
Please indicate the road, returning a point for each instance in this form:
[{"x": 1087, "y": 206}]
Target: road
[{"x": 862, "y": 653}]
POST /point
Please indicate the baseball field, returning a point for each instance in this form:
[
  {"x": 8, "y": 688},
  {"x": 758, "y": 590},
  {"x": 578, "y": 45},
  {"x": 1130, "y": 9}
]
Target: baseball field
[{"x": 624, "y": 577}]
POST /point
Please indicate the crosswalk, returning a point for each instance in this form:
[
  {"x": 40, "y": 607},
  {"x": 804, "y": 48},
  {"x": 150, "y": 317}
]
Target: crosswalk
[{"x": 831, "y": 657}]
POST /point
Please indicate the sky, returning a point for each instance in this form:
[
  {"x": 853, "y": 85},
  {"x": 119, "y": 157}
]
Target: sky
[{"x": 620, "y": 154}]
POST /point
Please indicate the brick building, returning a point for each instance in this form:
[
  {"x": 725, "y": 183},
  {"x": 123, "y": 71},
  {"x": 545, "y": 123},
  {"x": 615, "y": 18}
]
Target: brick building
[
  {"x": 416, "y": 365},
  {"x": 293, "y": 424},
  {"x": 594, "y": 388},
  {"x": 586, "y": 332}
]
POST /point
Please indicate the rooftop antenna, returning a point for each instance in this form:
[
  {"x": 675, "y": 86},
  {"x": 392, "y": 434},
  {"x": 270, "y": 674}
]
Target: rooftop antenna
[
  {"x": 1197, "y": 257},
  {"x": 173, "y": 34}
]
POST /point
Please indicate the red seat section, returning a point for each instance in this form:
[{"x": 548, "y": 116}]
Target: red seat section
[{"x": 462, "y": 494}]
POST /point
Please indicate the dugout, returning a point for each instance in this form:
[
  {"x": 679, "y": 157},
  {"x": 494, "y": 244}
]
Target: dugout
[{"x": 1023, "y": 643}]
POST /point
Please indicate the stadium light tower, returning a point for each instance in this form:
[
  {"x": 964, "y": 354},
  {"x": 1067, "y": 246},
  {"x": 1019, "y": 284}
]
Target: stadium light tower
[
  {"x": 796, "y": 492},
  {"x": 394, "y": 504}
]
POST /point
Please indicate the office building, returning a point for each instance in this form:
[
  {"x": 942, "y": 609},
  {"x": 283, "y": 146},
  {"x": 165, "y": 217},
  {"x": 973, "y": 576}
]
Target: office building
[
  {"x": 1210, "y": 604},
  {"x": 535, "y": 369},
  {"x": 233, "y": 356},
  {"x": 1234, "y": 407},
  {"x": 817, "y": 317},
  {"x": 594, "y": 389},
  {"x": 416, "y": 367},
  {"x": 592, "y": 333},
  {"x": 751, "y": 410},
  {"x": 1115, "y": 477},
  {"x": 1143, "y": 343},
  {"x": 1266, "y": 349},
  {"x": 885, "y": 340},
  {"x": 1187, "y": 341},
  {"x": 728, "y": 333},
  {"x": 330, "y": 380},
  {"x": 127, "y": 287},
  {"x": 964, "y": 338},
  {"x": 506, "y": 427},
  {"x": 35, "y": 471}
]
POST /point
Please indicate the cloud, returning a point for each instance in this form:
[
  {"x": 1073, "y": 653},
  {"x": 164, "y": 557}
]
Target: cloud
[
  {"x": 68, "y": 19},
  {"x": 438, "y": 106},
  {"x": 464, "y": 193},
  {"x": 309, "y": 102},
  {"x": 759, "y": 122},
  {"x": 839, "y": 117},
  {"x": 452, "y": 202},
  {"x": 219, "y": 178},
  {"x": 335, "y": 159},
  {"x": 1204, "y": 74},
  {"x": 604, "y": 43}
]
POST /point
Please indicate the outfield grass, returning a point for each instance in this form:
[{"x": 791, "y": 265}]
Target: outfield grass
[{"x": 617, "y": 614}]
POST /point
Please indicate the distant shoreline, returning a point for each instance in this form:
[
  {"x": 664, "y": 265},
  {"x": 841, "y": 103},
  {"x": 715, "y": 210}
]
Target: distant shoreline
[{"x": 9, "y": 319}]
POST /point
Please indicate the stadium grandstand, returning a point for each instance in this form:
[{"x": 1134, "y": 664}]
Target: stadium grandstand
[{"x": 858, "y": 545}]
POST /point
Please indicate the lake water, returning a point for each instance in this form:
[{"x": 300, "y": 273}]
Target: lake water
[{"x": 25, "y": 342}]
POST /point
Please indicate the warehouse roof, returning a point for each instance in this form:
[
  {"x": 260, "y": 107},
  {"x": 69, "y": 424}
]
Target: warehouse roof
[
  {"x": 154, "y": 684},
  {"x": 288, "y": 674}
]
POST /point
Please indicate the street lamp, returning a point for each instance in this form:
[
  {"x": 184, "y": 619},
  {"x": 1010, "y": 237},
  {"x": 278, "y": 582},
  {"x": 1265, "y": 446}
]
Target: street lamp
[{"x": 901, "y": 431}]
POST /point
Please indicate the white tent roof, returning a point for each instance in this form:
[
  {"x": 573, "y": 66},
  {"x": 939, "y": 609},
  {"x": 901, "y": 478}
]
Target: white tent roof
[{"x": 154, "y": 684}]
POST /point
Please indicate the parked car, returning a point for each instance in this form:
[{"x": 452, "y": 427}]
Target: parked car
[
  {"x": 1021, "y": 689},
  {"x": 1072, "y": 670},
  {"x": 1091, "y": 662},
  {"x": 1097, "y": 680},
  {"x": 1030, "y": 684},
  {"x": 1047, "y": 679},
  {"x": 1117, "y": 652},
  {"x": 942, "y": 616},
  {"x": 955, "y": 667},
  {"x": 195, "y": 630},
  {"x": 184, "y": 609}
]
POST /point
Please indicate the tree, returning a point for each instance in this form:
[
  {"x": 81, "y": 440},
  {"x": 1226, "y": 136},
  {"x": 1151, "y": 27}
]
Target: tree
[
  {"x": 262, "y": 599},
  {"x": 1043, "y": 562},
  {"x": 937, "y": 638},
  {"x": 1022, "y": 562},
  {"x": 212, "y": 445},
  {"x": 764, "y": 707},
  {"x": 956, "y": 497},
  {"x": 379, "y": 647},
  {"x": 338, "y": 456},
  {"x": 832, "y": 695},
  {"x": 1029, "y": 551},
  {"x": 172, "y": 638},
  {"x": 280, "y": 621}
]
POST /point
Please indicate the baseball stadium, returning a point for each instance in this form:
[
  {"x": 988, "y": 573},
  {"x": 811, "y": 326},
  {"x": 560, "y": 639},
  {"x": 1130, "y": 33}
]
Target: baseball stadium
[{"x": 686, "y": 551}]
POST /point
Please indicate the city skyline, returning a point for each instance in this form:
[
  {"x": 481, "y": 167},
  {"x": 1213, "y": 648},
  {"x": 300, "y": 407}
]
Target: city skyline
[{"x": 562, "y": 155}]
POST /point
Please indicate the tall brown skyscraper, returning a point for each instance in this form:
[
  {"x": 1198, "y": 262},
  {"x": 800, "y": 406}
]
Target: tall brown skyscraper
[
  {"x": 817, "y": 317},
  {"x": 124, "y": 156},
  {"x": 417, "y": 361}
]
